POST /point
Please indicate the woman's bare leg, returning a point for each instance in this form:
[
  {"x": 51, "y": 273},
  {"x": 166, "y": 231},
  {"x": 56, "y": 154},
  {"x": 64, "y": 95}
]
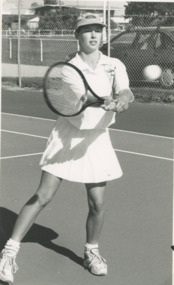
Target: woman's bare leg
[{"x": 45, "y": 192}]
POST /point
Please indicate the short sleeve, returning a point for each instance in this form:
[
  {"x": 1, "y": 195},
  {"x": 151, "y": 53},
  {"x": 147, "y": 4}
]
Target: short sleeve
[{"x": 121, "y": 80}]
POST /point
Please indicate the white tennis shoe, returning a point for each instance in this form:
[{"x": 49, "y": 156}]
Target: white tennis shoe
[
  {"x": 8, "y": 267},
  {"x": 95, "y": 263}
]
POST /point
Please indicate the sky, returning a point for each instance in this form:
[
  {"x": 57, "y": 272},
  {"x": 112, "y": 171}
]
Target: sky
[
  {"x": 116, "y": 4},
  {"x": 13, "y": 4}
]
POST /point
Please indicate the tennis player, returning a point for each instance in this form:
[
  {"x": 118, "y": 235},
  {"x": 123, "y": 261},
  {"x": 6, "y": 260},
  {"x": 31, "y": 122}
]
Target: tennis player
[{"x": 79, "y": 149}]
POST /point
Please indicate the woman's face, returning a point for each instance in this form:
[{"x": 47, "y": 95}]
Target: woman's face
[{"x": 89, "y": 37}]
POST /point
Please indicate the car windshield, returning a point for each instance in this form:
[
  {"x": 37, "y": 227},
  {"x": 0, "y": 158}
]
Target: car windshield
[
  {"x": 169, "y": 32},
  {"x": 164, "y": 41},
  {"x": 143, "y": 41},
  {"x": 126, "y": 38}
]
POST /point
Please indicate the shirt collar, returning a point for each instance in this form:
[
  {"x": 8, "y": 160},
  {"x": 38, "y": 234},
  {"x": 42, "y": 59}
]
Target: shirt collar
[{"x": 103, "y": 60}]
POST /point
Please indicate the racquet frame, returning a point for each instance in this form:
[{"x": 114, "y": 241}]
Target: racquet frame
[{"x": 87, "y": 87}]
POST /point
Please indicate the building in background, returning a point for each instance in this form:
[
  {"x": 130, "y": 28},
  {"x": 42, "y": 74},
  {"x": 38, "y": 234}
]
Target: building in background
[
  {"x": 121, "y": 22},
  {"x": 42, "y": 10},
  {"x": 33, "y": 14},
  {"x": 117, "y": 15},
  {"x": 33, "y": 23}
]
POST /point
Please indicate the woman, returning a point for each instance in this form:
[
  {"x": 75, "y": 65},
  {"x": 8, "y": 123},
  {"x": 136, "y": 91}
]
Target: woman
[{"x": 79, "y": 149}]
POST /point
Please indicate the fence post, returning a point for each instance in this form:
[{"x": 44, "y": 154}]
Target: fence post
[
  {"x": 19, "y": 42},
  {"x": 104, "y": 37},
  {"x": 78, "y": 48},
  {"x": 109, "y": 27},
  {"x": 10, "y": 48},
  {"x": 41, "y": 51}
]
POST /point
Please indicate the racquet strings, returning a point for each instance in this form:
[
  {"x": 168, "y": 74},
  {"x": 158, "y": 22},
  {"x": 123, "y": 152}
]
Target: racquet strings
[{"x": 65, "y": 89}]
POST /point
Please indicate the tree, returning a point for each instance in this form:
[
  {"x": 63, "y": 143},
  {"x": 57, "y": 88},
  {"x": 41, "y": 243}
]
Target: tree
[
  {"x": 59, "y": 20},
  {"x": 34, "y": 5},
  {"x": 52, "y": 2},
  {"x": 150, "y": 13}
]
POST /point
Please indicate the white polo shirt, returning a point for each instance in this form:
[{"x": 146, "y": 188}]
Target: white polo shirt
[{"x": 108, "y": 78}]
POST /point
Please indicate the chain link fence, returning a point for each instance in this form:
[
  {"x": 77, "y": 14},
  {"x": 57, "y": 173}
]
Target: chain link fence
[
  {"x": 139, "y": 41},
  {"x": 37, "y": 51}
]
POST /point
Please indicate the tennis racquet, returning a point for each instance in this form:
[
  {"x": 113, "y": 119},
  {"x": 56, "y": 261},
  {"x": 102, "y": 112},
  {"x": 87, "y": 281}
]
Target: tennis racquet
[{"x": 66, "y": 90}]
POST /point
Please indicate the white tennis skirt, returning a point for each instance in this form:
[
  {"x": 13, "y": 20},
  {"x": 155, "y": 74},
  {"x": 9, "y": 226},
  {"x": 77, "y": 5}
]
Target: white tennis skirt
[{"x": 85, "y": 156}]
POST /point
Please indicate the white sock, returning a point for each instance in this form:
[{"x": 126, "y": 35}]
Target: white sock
[
  {"x": 89, "y": 246},
  {"x": 12, "y": 247}
]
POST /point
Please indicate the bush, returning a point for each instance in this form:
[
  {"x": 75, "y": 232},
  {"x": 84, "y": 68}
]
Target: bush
[{"x": 147, "y": 95}]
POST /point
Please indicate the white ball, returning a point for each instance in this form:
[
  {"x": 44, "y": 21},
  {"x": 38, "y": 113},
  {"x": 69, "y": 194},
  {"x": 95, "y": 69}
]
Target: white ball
[{"x": 152, "y": 72}]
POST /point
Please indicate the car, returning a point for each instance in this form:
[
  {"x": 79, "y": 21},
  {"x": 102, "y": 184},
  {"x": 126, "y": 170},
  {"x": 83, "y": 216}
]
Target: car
[{"x": 143, "y": 46}]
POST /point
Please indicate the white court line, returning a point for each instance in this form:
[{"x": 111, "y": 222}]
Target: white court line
[
  {"x": 142, "y": 134},
  {"x": 21, "y": 155},
  {"x": 115, "y": 130},
  {"x": 42, "y": 137},
  {"x": 146, "y": 155},
  {"x": 24, "y": 134},
  {"x": 29, "y": 117}
]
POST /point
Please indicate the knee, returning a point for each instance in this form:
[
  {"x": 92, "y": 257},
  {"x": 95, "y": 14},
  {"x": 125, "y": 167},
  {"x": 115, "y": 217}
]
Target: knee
[
  {"x": 96, "y": 207},
  {"x": 43, "y": 200}
]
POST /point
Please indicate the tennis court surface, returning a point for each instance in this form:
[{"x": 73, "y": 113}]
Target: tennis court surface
[{"x": 137, "y": 233}]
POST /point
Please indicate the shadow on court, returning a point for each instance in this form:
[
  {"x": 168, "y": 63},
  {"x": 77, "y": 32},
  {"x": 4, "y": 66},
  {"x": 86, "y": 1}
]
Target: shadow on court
[{"x": 37, "y": 234}]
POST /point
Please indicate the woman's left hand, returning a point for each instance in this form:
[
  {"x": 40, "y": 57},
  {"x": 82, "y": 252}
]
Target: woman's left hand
[
  {"x": 125, "y": 97},
  {"x": 122, "y": 105}
]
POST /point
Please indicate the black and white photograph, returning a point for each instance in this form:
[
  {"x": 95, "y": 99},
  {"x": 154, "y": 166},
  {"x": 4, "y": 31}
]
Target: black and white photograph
[{"x": 87, "y": 142}]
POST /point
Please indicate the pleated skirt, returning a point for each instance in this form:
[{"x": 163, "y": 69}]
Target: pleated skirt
[{"x": 85, "y": 156}]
